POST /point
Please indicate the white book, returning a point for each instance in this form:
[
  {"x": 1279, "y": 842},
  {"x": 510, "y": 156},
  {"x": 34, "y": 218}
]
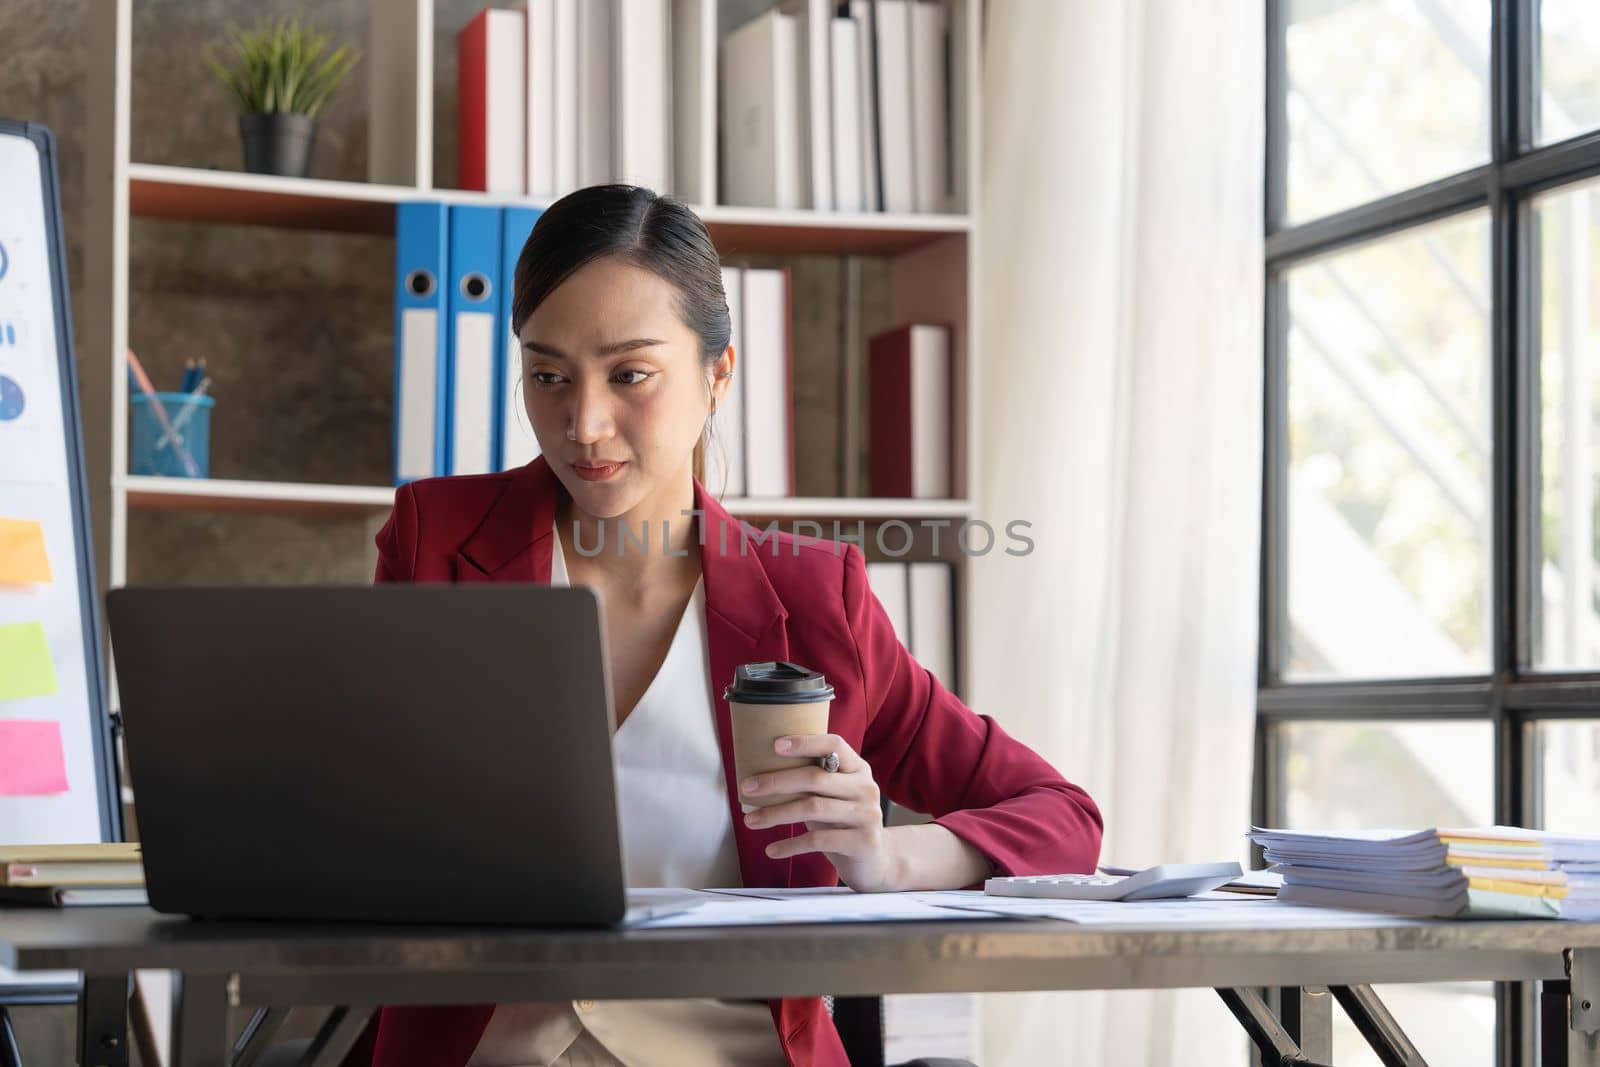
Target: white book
[
  {"x": 897, "y": 154},
  {"x": 694, "y": 100},
  {"x": 504, "y": 98},
  {"x": 566, "y": 104},
  {"x": 725, "y": 457},
  {"x": 508, "y": 123},
  {"x": 595, "y": 106},
  {"x": 932, "y": 620},
  {"x": 767, "y": 418},
  {"x": 929, "y": 28},
  {"x": 889, "y": 584},
  {"x": 813, "y": 31},
  {"x": 849, "y": 179},
  {"x": 930, "y": 412},
  {"x": 867, "y": 58},
  {"x": 760, "y": 113},
  {"x": 540, "y": 103},
  {"x": 643, "y": 104}
]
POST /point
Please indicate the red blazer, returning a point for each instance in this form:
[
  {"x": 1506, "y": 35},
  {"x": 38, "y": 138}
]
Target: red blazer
[{"x": 781, "y": 599}]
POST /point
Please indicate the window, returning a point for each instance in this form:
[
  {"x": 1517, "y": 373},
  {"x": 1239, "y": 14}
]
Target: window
[
  {"x": 1566, "y": 227},
  {"x": 1383, "y": 96},
  {"x": 1569, "y": 77},
  {"x": 1430, "y": 639},
  {"x": 1569, "y": 761},
  {"x": 1388, "y": 365}
]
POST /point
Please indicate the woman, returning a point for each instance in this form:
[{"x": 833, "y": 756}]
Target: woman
[{"x": 624, "y": 327}]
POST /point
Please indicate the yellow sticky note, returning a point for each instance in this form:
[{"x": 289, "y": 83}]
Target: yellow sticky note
[
  {"x": 22, "y": 556},
  {"x": 25, "y": 667}
]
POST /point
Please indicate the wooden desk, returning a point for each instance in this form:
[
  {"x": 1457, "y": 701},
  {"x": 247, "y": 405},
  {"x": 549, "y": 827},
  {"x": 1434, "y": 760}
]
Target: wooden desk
[{"x": 234, "y": 963}]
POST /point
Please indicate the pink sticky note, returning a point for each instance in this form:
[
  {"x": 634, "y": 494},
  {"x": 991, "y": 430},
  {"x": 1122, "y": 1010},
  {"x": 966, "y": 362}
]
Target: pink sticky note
[{"x": 31, "y": 760}]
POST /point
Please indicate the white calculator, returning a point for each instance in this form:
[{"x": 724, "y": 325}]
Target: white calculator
[{"x": 1164, "y": 881}]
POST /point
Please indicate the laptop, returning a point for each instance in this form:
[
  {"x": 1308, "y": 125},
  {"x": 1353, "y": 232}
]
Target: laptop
[{"x": 397, "y": 753}]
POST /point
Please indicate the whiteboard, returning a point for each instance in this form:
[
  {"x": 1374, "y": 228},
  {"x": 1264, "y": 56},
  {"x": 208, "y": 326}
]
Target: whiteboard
[{"x": 57, "y": 776}]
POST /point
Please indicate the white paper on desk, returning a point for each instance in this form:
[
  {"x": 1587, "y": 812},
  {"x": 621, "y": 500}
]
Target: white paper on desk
[
  {"x": 1189, "y": 912},
  {"x": 669, "y": 896},
  {"x": 797, "y": 893},
  {"x": 938, "y": 898},
  {"x": 831, "y": 908}
]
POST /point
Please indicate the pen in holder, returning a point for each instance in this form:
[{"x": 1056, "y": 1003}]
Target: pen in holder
[{"x": 172, "y": 434}]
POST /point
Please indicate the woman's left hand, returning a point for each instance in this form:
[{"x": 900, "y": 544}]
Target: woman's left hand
[{"x": 840, "y": 809}]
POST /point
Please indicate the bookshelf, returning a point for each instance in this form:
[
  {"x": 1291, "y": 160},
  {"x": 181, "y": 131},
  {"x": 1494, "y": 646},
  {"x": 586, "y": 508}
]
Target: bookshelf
[
  {"x": 918, "y": 267},
  {"x": 930, "y": 263},
  {"x": 229, "y": 198}
]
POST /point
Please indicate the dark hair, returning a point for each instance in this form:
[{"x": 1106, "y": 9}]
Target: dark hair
[{"x": 659, "y": 233}]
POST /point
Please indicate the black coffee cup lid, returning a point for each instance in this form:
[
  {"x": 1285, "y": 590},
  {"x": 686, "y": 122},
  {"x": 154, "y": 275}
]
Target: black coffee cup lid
[{"x": 778, "y": 682}]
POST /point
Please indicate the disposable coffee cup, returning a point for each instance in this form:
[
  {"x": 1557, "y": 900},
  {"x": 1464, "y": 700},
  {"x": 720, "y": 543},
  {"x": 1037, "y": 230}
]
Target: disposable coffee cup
[{"x": 767, "y": 701}]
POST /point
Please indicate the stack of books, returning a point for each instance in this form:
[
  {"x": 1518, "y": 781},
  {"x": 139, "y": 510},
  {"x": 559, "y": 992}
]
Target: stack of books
[
  {"x": 835, "y": 106},
  {"x": 61, "y": 876},
  {"x": 1482, "y": 872},
  {"x": 560, "y": 94}
]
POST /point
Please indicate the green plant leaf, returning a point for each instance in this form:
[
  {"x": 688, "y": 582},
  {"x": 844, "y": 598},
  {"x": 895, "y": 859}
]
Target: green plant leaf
[{"x": 281, "y": 66}]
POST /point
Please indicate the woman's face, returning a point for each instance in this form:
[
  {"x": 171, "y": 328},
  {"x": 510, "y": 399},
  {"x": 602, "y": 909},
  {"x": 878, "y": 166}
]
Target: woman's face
[{"x": 612, "y": 375}]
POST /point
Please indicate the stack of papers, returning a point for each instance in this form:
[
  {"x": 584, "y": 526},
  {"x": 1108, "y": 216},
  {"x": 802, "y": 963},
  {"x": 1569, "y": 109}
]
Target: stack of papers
[{"x": 1479, "y": 872}]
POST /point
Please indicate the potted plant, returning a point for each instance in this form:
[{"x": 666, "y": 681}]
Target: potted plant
[{"x": 281, "y": 73}]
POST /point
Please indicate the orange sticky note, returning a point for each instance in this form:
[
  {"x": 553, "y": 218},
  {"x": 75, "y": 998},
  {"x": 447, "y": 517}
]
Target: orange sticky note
[
  {"x": 22, "y": 557},
  {"x": 31, "y": 760}
]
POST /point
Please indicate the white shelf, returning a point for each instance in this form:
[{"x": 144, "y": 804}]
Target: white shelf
[
  {"x": 877, "y": 508},
  {"x": 236, "y": 198},
  {"x": 217, "y": 494}
]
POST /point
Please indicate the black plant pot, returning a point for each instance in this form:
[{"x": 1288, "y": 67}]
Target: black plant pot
[{"x": 277, "y": 144}]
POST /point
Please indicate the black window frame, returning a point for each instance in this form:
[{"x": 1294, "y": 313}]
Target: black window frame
[{"x": 1513, "y": 697}]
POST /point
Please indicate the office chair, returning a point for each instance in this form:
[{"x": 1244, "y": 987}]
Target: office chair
[
  {"x": 27, "y": 996},
  {"x": 10, "y": 1055}
]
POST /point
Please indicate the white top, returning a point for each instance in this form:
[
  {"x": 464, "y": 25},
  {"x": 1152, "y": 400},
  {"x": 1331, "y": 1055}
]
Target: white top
[{"x": 676, "y": 831}]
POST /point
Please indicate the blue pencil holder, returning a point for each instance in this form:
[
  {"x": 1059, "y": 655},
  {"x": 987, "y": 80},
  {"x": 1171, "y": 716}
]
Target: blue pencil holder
[{"x": 185, "y": 453}]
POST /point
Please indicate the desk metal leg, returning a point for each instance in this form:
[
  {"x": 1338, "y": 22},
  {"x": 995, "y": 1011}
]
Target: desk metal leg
[
  {"x": 336, "y": 1037},
  {"x": 1307, "y": 1015},
  {"x": 1276, "y": 1046},
  {"x": 1380, "y": 1029},
  {"x": 200, "y": 1021},
  {"x": 103, "y": 1021},
  {"x": 257, "y": 1034},
  {"x": 1583, "y": 1016}
]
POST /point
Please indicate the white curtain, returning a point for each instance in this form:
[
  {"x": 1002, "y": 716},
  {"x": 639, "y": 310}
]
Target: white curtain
[{"x": 1120, "y": 412}]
